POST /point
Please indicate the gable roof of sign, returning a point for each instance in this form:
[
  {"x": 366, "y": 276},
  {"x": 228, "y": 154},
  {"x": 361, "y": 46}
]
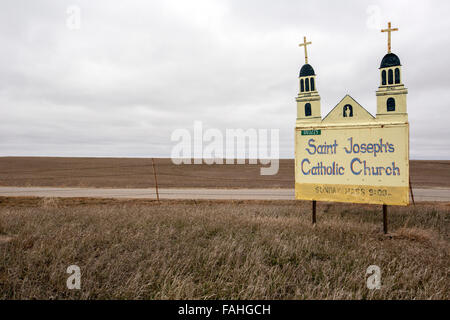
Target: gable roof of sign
[{"x": 359, "y": 114}]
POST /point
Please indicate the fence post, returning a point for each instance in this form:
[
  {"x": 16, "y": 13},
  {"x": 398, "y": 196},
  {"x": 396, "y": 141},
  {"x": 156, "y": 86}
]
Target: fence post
[
  {"x": 411, "y": 191},
  {"x": 156, "y": 180}
]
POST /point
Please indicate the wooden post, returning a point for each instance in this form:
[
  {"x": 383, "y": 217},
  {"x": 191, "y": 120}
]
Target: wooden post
[
  {"x": 156, "y": 180},
  {"x": 314, "y": 212},
  {"x": 385, "y": 223},
  {"x": 410, "y": 190}
]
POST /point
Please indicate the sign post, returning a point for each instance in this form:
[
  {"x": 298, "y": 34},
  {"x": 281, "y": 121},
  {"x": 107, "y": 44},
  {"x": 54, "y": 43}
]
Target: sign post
[{"x": 314, "y": 211}]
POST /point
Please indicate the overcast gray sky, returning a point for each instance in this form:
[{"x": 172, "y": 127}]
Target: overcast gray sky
[{"x": 137, "y": 70}]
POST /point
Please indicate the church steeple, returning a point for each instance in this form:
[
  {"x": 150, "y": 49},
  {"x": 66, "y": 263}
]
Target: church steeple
[
  {"x": 308, "y": 99},
  {"x": 391, "y": 94}
]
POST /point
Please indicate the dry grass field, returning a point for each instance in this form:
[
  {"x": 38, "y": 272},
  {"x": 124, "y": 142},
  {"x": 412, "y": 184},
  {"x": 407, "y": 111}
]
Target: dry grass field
[
  {"x": 137, "y": 249},
  {"x": 137, "y": 173}
]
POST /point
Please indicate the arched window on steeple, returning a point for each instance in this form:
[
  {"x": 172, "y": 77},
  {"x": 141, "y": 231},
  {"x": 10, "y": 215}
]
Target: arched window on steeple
[
  {"x": 390, "y": 104},
  {"x": 397, "y": 75},
  {"x": 306, "y": 84},
  {"x": 308, "y": 109},
  {"x": 312, "y": 84},
  {"x": 383, "y": 77},
  {"x": 390, "y": 76},
  {"x": 302, "y": 85}
]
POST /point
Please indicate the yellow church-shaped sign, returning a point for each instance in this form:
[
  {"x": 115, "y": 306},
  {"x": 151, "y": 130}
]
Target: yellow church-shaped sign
[{"x": 350, "y": 155}]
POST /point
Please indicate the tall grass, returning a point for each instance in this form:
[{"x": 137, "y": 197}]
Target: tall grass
[{"x": 221, "y": 250}]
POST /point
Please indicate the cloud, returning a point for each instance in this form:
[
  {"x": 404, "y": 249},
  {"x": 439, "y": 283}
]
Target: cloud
[{"x": 137, "y": 70}]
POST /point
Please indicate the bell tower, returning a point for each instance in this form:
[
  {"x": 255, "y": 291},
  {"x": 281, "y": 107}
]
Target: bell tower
[
  {"x": 391, "y": 94},
  {"x": 308, "y": 99}
]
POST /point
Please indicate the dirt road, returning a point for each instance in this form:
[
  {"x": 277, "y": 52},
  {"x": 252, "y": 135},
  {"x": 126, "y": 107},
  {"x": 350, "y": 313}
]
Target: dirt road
[{"x": 434, "y": 194}]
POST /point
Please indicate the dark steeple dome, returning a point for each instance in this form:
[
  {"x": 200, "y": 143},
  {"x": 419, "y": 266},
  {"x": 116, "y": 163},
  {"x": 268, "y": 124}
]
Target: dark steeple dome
[
  {"x": 390, "y": 60},
  {"x": 307, "y": 70}
]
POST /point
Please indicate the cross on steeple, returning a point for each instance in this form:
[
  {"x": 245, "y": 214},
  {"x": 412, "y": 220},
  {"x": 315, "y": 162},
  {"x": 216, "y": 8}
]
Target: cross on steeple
[
  {"x": 304, "y": 44},
  {"x": 389, "y": 30}
]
